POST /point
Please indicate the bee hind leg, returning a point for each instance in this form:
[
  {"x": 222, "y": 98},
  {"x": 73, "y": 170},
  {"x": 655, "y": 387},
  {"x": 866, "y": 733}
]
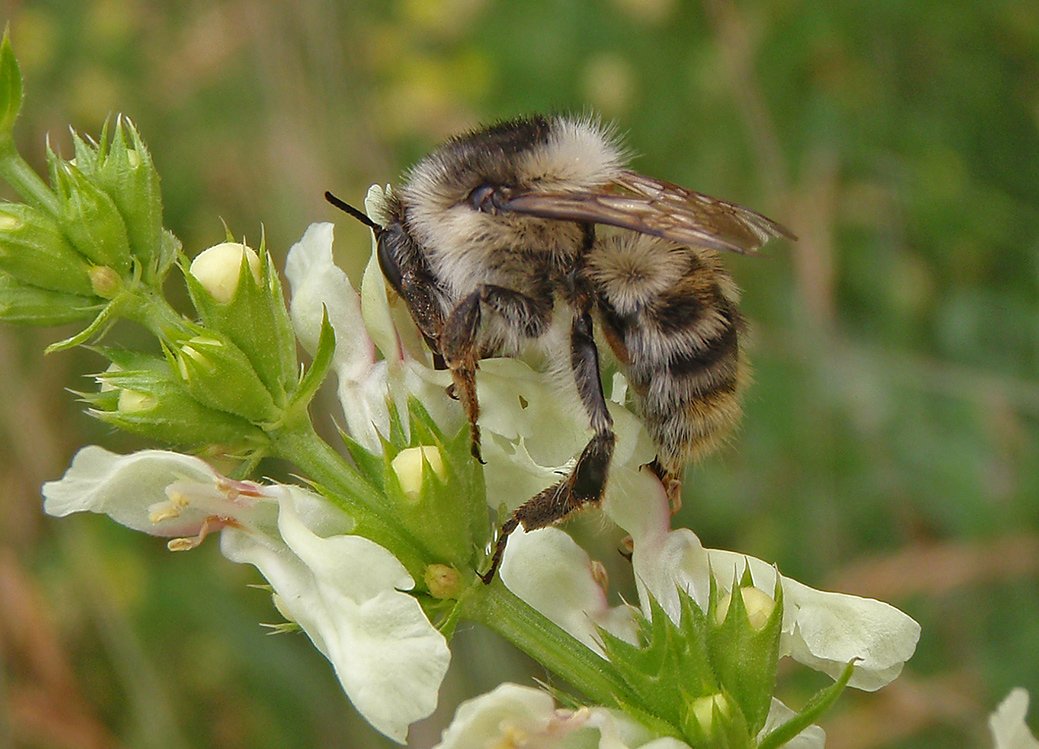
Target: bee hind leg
[{"x": 587, "y": 482}]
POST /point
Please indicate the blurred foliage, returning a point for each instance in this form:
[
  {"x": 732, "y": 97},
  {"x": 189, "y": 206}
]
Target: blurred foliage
[{"x": 890, "y": 447}]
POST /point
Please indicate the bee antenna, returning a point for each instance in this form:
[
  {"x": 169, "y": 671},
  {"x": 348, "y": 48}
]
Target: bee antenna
[{"x": 356, "y": 213}]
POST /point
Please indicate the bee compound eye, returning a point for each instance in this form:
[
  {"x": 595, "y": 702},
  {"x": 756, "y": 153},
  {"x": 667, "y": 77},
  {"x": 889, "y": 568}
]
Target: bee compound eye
[
  {"x": 482, "y": 198},
  {"x": 490, "y": 198}
]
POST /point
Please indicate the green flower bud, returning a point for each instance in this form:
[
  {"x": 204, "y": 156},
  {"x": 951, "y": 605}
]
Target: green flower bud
[
  {"x": 220, "y": 376},
  {"x": 29, "y": 305},
  {"x": 249, "y": 308},
  {"x": 714, "y": 720},
  {"x": 140, "y": 394},
  {"x": 89, "y": 218},
  {"x": 33, "y": 250},
  {"x": 10, "y": 88},
  {"x": 125, "y": 170}
]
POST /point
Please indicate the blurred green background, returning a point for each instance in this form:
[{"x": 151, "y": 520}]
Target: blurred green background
[{"x": 890, "y": 448}]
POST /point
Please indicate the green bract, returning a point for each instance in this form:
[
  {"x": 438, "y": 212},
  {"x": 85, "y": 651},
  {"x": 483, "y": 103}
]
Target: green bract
[
  {"x": 448, "y": 515},
  {"x": 123, "y": 168},
  {"x": 711, "y": 677}
]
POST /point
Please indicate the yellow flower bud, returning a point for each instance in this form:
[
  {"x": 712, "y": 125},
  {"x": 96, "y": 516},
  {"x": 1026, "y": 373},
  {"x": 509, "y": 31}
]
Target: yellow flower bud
[
  {"x": 758, "y": 603},
  {"x": 133, "y": 401},
  {"x": 703, "y": 709},
  {"x": 443, "y": 581},
  {"x": 217, "y": 269},
  {"x": 408, "y": 465}
]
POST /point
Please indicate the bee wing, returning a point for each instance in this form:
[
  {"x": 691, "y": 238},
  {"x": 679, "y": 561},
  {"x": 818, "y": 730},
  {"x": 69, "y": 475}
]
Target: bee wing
[{"x": 651, "y": 206}]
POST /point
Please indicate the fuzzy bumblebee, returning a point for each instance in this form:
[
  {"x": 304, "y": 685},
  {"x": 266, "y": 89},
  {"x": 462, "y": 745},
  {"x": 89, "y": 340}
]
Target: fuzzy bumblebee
[{"x": 534, "y": 234}]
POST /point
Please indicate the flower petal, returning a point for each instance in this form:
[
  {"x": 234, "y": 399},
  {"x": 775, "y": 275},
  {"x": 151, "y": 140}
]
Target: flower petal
[
  {"x": 346, "y": 592},
  {"x": 318, "y": 285},
  {"x": 508, "y": 710},
  {"x": 548, "y": 570},
  {"x": 1007, "y": 723},
  {"x": 388, "y": 657}
]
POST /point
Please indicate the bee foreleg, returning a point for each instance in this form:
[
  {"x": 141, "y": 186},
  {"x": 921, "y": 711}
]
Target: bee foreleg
[
  {"x": 458, "y": 344},
  {"x": 587, "y": 482},
  {"x": 460, "y": 335}
]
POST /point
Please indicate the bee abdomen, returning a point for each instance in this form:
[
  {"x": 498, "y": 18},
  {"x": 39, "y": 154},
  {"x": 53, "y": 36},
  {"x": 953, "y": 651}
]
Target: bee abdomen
[{"x": 681, "y": 348}]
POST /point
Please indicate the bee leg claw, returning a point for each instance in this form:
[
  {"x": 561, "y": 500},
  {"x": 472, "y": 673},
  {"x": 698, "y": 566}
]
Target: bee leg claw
[
  {"x": 499, "y": 549},
  {"x": 672, "y": 482}
]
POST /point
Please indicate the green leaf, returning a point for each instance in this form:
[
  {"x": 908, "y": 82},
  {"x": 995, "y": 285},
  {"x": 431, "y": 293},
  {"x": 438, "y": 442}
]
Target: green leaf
[{"x": 10, "y": 87}]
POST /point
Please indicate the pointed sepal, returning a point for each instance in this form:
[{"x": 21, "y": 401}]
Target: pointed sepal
[{"x": 10, "y": 88}]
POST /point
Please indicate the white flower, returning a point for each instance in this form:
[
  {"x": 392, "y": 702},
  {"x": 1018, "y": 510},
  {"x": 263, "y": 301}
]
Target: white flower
[
  {"x": 822, "y": 630},
  {"x": 1007, "y": 723},
  {"x": 345, "y": 592},
  {"x": 515, "y": 716}
]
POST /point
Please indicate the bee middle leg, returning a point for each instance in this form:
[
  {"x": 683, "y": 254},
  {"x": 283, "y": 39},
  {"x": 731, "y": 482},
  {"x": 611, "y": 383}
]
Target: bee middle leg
[
  {"x": 460, "y": 345},
  {"x": 587, "y": 482}
]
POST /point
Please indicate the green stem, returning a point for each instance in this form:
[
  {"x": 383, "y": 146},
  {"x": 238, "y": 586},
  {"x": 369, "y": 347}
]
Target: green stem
[
  {"x": 499, "y": 609},
  {"x": 26, "y": 182},
  {"x": 297, "y": 442},
  {"x": 148, "y": 307}
]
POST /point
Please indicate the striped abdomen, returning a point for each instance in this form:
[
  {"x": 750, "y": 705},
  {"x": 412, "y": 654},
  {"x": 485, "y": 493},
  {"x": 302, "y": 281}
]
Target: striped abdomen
[{"x": 670, "y": 315}]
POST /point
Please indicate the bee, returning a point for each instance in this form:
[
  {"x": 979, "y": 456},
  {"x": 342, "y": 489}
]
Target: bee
[{"x": 534, "y": 232}]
